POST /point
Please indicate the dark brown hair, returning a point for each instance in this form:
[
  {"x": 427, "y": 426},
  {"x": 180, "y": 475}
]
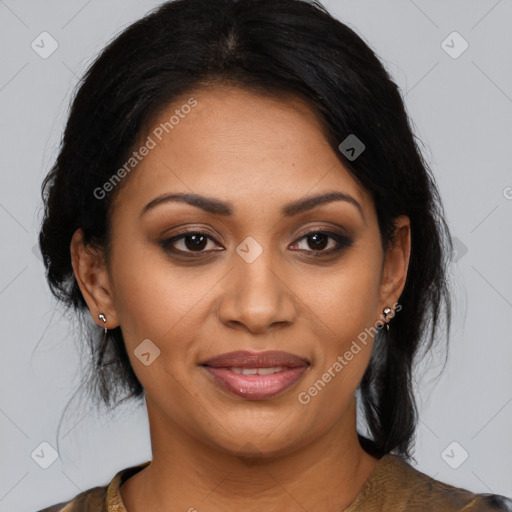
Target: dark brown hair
[{"x": 277, "y": 46}]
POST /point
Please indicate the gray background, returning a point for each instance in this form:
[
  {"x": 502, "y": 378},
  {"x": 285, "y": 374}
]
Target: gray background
[{"x": 461, "y": 108}]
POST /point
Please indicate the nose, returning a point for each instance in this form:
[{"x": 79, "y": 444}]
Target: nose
[{"x": 258, "y": 296}]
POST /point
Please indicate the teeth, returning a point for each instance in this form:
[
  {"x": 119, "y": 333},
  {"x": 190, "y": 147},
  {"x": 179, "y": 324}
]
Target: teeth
[
  {"x": 269, "y": 371},
  {"x": 258, "y": 371}
]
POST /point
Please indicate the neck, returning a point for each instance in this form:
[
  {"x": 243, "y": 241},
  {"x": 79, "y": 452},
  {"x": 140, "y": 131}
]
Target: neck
[{"x": 324, "y": 475}]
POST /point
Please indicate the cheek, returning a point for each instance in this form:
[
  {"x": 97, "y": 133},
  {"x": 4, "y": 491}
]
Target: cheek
[
  {"x": 345, "y": 298},
  {"x": 344, "y": 305},
  {"x": 151, "y": 294}
]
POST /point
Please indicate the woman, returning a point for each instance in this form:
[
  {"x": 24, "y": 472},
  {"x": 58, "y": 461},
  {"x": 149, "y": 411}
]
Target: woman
[{"x": 240, "y": 206}]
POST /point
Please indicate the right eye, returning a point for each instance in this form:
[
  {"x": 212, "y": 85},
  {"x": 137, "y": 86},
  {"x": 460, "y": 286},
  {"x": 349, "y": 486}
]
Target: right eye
[{"x": 192, "y": 242}]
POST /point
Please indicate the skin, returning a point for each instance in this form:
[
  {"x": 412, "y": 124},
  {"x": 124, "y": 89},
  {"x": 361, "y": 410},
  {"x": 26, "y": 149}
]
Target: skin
[{"x": 257, "y": 153}]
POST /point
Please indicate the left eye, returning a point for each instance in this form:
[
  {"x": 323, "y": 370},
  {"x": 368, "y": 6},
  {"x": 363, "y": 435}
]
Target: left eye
[
  {"x": 319, "y": 239},
  {"x": 195, "y": 242}
]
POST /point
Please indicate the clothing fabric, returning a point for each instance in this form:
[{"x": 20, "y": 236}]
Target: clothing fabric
[{"x": 394, "y": 486}]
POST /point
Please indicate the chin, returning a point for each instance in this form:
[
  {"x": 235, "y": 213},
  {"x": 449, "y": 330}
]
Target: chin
[{"x": 258, "y": 443}]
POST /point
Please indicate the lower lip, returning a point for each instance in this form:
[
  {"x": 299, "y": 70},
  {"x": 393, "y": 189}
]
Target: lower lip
[{"x": 256, "y": 387}]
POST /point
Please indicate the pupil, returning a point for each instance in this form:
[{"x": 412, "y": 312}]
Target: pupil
[
  {"x": 197, "y": 241},
  {"x": 321, "y": 244}
]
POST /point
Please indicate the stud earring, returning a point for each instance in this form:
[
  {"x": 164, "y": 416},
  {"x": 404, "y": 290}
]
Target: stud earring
[
  {"x": 104, "y": 342},
  {"x": 103, "y": 318},
  {"x": 386, "y": 312}
]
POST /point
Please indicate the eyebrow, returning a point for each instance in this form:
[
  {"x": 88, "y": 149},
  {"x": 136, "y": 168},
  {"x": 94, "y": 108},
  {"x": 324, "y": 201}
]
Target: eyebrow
[{"x": 218, "y": 207}]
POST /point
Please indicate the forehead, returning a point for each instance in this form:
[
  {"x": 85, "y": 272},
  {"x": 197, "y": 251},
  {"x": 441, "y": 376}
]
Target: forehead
[{"x": 248, "y": 148}]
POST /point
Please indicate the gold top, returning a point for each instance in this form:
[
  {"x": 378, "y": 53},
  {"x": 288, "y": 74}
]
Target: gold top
[
  {"x": 113, "y": 498},
  {"x": 394, "y": 485}
]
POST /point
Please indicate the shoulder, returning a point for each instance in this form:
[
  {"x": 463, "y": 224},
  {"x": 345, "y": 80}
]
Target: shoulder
[
  {"x": 101, "y": 498},
  {"x": 92, "y": 500},
  {"x": 417, "y": 491},
  {"x": 489, "y": 502}
]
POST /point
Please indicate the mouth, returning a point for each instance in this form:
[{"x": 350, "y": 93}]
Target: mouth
[{"x": 256, "y": 375}]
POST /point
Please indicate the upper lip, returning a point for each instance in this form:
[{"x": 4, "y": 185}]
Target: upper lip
[{"x": 247, "y": 359}]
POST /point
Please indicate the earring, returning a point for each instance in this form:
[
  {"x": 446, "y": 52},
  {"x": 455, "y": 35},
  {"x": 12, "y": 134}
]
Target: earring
[
  {"x": 103, "y": 318},
  {"x": 104, "y": 342},
  {"x": 386, "y": 312}
]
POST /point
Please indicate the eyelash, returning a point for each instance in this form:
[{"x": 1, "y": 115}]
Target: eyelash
[{"x": 343, "y": 243}]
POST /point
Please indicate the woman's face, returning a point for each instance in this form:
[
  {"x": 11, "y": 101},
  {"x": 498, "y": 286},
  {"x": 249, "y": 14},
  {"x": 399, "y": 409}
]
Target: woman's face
[{"x": 254, "y": 281}]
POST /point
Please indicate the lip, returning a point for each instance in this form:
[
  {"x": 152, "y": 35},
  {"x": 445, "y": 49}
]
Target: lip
[
  {"x": 256, "y": 387},
  {"x": 249, "y": 359}
]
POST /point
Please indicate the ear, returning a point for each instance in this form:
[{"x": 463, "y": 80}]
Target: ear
[
  {"x": 396, "y": 264},
  {"x": 92, "y": 277}
]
